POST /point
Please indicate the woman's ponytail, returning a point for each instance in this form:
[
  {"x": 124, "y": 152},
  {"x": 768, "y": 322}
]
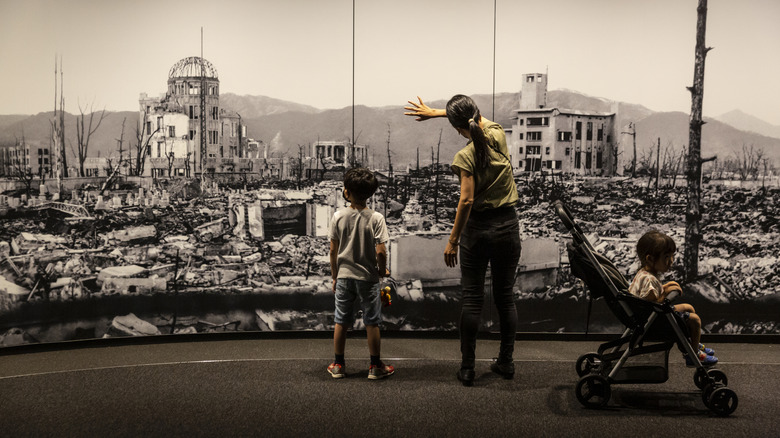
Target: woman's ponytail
[
  {"x": 480, "y": 142},
  {"x": 463, "y": 113}
]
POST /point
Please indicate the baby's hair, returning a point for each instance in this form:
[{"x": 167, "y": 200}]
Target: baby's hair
[
  {"x": 360, "y": 182},
  {"x": 656, "y": 244}
]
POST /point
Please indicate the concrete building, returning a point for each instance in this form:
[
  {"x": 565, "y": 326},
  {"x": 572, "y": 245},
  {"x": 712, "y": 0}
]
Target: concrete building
[
  {"x": 22, "y": 156},
  {"x": 566, "y": 140},
  {"x": 186, "y": 129},
  {"x": 96, "y": 167},
  {"x": 341, "y": 153}
]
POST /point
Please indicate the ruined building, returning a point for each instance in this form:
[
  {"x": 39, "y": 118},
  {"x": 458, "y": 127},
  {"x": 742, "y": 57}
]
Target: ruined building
[
  {"x": 567, "y": 140},
  {"x": 24, "y": 157},
  {"x": 187, "y": 131}
]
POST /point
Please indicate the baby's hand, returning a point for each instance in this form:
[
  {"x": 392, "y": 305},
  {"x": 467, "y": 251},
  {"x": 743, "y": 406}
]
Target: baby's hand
[{"x": 672, "y": 286}]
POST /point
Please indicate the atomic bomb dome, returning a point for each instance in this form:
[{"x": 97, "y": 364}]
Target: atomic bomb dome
[{"x": 191, "y": 68}]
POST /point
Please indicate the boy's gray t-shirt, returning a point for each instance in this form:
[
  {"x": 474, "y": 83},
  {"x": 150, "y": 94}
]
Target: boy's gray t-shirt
[{"x": 358, "y": 233}]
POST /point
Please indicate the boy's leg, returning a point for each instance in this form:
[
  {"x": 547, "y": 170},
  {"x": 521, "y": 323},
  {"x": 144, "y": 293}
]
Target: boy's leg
[
  {"x": 339, "y": 339},
  {"x": 371, "y": 303},
  {"x": 374, "y": 340},
  {"x": 344, "y": 298}
]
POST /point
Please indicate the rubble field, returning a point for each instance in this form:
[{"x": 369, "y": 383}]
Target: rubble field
[{"x": 191, "y": 243}]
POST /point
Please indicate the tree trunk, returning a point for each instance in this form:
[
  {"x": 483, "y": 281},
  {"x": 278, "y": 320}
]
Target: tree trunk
[
  {"x": 693, "y": 235},
  {"x": 658, "y": 167}
]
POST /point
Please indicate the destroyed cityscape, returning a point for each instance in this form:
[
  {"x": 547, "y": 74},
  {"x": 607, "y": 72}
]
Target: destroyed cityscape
[
  {"x": 192, "y": 238},
  {"x": 182, "y": 261}
]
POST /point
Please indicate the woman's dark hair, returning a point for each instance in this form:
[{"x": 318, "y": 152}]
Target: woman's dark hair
[
  {"x": 361, "y": 182},
  {"x": 463, "y": 113},
  {"x": 656, "y": 244}
]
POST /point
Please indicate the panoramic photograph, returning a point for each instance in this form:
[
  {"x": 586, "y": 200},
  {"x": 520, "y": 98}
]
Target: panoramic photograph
[{"x": 175, "y": 167}]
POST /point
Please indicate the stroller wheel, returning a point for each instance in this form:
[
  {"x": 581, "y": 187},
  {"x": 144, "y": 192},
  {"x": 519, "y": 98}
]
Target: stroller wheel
[
  {"x": 715, "y": 375},
  {"x": 723, "y": 401},
  {"x": 707, "y": 392},
  {"x": 593, "y": 391},
  {"x": 588, "y": 363}
]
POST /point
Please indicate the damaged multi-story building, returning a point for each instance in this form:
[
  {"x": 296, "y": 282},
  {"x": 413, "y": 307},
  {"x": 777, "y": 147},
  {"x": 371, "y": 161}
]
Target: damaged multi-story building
[
  {"x": 186, "y": 132},
  {"x": 573, "y": 141},
  {"x": 25, "y": 157}
]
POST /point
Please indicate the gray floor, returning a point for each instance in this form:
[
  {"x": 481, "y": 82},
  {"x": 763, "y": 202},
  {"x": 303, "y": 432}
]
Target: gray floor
[{"x": 279, "y": 387}]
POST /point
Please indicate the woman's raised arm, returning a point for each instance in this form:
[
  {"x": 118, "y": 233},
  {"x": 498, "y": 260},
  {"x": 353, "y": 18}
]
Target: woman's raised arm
[{"x": 423, "y": 111}]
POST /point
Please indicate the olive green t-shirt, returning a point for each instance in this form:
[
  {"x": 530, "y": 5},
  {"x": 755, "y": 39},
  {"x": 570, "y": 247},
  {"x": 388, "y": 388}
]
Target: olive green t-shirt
[{"x": 495, "y": 184}]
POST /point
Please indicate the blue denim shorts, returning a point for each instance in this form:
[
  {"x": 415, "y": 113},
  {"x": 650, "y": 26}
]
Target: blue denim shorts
[{"x": 347, "y": 292}]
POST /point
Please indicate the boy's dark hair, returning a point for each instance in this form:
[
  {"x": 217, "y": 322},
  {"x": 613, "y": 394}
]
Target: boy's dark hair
[
  {"x": 654, "y": 243},
  {"x": 360, "y": 182}
]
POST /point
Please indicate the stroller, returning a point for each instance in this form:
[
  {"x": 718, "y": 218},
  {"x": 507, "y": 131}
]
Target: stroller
[{"x": 652, "y": 329}]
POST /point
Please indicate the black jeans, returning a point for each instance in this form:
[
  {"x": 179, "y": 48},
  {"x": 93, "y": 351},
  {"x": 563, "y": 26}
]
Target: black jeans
[{"x": 488, "y": 237}]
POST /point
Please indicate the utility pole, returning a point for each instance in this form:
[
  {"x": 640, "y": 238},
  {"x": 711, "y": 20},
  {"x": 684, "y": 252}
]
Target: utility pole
[
  {"x": 390, "y": 163},
  {"x": 60, "y": 167},
  {"x": 693, "y": 215},
  {"x": 202, "y": 115}
]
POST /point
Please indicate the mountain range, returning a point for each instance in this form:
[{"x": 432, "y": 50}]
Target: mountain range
[{"x": 286, "y": 125}]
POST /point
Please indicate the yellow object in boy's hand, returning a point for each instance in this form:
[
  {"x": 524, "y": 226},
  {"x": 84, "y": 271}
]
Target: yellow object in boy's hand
[{"x": 386, "y": 298}]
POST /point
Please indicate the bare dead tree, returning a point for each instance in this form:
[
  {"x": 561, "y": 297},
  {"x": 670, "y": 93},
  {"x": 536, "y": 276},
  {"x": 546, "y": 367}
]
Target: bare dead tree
[
  {"x": 616, "y": 153},
  {"x": 436, "y": 189},
  {"x": 693, "y": 214},
  {"x": 677, "y": 165},
  {"x": 187, "y": 164},
  {"x": 748, "y": 161},
  {"x": 765, "y": 165},
  {"x": 670, "y": 164},
  {"x": 143, "y": 137},
  {"x": 657, "y": 166},
  {"x": 645, "y": 165},
  {"x": 299, "y": 170},
  {"x": 632, "y": 133},
  {"x": 22, "y": 172},
  {"x": 171, "y": 157},
  {"x": 113, "y": 170},
  {"x": 84, "y": 133}
]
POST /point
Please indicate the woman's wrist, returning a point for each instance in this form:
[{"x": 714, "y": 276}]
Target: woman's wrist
[{"x": 453, "y": 241}]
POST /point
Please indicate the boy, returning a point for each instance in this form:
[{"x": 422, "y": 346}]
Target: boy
[{"x": 358, "y": 258}]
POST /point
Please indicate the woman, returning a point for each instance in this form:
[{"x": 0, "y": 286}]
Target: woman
[{"x": 486, "y": 228}]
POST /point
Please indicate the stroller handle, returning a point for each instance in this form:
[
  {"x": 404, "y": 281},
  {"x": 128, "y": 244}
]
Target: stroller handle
[{"x": 565, "y": 215}]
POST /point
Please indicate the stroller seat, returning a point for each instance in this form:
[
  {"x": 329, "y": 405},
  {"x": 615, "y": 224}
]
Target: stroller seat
[{"x": 641, "y": 353}]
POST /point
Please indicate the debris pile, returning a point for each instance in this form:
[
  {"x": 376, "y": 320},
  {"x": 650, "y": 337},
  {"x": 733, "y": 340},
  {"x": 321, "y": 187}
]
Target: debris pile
[{"x": 242, "y": 244}]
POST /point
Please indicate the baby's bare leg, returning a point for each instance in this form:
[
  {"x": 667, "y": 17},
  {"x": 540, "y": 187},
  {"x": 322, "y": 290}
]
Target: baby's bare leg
[
  {"x": 684, "y": 307},
  {"x": 694, "y": 326}
]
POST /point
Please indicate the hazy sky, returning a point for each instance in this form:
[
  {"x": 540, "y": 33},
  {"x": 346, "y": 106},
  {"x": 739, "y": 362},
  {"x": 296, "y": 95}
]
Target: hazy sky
[{"x": 636, "y": 51}]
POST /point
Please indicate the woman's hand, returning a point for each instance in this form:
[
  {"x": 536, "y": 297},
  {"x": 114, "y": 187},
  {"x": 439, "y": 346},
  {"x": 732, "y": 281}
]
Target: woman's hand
[
  {"x": 451, "y": 255},
  {"x": 422, "y": 111}
]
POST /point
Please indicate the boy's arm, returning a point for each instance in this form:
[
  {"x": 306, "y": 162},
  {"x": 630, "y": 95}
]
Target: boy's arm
[
  {"x": 381, "y": 260},
  {"x": 334, "y": 266}
]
